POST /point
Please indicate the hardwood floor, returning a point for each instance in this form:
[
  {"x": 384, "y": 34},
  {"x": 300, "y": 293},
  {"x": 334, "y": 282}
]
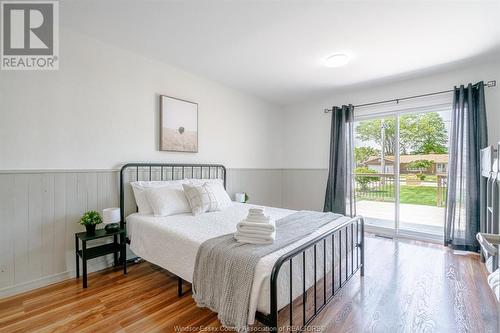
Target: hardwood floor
[{"x": 408, "y": 287}]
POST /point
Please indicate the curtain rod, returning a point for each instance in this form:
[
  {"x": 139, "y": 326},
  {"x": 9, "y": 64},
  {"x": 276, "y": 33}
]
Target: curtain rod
[{"x": 489, "y": 84}]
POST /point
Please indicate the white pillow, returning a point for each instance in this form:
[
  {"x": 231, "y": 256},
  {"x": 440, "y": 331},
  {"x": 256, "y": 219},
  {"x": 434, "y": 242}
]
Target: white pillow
[
  {"x": 223, "y": 199},
  {"x": 140, "y": 187},
  {"x": 167, "y": 200},
  {"x": 217, "y": 185},
  {"x": 201, "y": 198}
]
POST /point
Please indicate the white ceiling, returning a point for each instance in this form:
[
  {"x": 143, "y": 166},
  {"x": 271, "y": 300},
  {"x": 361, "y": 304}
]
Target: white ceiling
[{"x": 274, "y": 49}]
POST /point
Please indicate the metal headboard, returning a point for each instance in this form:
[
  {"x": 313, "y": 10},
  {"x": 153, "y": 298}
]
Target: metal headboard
[{"x": 166, "y": 171}]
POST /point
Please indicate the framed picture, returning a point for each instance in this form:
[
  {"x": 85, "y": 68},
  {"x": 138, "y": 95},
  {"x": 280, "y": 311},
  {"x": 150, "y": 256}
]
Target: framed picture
[{"x": 178, "y": 125}]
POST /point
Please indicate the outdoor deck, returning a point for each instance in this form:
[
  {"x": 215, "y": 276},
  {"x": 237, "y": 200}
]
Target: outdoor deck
[{"x": 421, "y": 218}]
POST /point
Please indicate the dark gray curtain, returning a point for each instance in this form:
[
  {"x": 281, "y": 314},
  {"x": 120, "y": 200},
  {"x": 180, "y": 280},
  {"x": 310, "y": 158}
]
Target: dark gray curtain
[
  {"x": 469, "y": 134},
  {"x": 339, "y": 189}
]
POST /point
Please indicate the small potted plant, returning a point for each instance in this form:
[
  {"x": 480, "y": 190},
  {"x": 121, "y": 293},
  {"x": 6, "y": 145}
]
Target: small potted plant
[{"x": 90, "y": 220}]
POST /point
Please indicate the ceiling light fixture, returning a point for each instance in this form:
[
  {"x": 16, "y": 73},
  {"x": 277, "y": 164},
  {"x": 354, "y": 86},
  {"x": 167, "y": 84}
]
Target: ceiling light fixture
[{"x": 337, "y": 60}]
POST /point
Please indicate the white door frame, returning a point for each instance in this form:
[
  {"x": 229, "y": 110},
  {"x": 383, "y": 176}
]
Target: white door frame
[{"x": 397, "y": 231}]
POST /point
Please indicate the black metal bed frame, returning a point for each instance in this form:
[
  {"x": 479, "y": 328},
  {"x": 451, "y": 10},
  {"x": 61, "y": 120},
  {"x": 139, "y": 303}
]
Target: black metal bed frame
[
  {"x": 344, "y": 275},
  {"x": 352, "y": 231}
]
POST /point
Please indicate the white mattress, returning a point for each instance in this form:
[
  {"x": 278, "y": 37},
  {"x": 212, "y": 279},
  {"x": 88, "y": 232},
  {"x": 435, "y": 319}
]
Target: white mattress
[{"x": 172, "y": 243}]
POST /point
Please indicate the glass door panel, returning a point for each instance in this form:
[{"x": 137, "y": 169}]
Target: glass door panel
[
  {"x": 423, "y": 164},
  {"x": 375, "y": 148}
]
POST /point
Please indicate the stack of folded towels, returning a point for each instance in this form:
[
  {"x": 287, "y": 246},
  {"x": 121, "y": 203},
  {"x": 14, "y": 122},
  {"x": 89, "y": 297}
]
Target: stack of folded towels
[{"x": 256, "y": 228}]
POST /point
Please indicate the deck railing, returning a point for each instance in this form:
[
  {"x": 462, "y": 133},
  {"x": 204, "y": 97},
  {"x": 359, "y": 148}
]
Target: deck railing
[
  {"x": 375, "y": 186},
  {"x": 381, "y": 186}
]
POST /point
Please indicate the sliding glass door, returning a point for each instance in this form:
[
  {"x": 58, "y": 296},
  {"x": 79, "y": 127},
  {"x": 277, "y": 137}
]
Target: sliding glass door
[
  {"x": 401, "y": 166},
  {"x": 375, "y": 171}
]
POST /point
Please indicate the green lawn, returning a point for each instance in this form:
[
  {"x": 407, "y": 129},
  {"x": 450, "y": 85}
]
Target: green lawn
[{"x": 418, "y": 195}]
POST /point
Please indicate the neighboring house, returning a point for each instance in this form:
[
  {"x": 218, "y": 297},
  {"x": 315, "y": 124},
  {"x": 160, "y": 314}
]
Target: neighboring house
[
  {"x": 374, "y": 163},
  {"x": 439, "y": 163}
]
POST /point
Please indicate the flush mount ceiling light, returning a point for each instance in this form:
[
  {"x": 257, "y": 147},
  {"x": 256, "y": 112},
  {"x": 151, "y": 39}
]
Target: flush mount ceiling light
[{"x": 337, "y": 60}]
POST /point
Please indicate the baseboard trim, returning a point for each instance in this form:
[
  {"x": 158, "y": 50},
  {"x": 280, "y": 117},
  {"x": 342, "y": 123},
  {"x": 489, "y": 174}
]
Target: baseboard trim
[
  {"x": 38, "y": 283},
  {"x": 48, "y": 280}
]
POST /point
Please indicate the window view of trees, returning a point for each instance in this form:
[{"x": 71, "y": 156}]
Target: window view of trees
[
  {"x": 362, "y": 154},
  {"x": 418, "y": 134},
  {"x": 419, "y": 165}
]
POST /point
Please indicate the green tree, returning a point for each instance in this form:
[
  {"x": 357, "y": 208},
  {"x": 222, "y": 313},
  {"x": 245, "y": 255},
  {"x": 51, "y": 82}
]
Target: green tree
[
  {"x": 371, "y": 130},
  {"x": 420, "y": 165},
  {"x": 361, "y": 154},
  {"x": 431, "y": 136},
  {"x": 418, "y": 134}
]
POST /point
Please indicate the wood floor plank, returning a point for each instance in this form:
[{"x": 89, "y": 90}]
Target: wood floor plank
[{"x": 408, "y": 287}]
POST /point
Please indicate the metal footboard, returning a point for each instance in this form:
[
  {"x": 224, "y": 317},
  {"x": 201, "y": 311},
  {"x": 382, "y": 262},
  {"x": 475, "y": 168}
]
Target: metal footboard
[{"x": 352, "y": 233}]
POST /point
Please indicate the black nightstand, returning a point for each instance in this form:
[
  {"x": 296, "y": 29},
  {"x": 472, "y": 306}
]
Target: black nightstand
[{"x": 100, "y": 250}]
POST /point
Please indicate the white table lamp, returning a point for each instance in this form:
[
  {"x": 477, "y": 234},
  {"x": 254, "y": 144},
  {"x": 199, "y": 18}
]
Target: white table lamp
[{"x": 110, "y": 215}]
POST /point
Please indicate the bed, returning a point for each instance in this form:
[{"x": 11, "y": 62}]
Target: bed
[{"x": 321, "y": 263}]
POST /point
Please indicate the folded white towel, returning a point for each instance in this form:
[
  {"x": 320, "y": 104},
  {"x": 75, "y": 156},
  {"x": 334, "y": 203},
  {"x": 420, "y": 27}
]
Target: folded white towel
[
  {"x": 264, "y": 228},
  {"x": 256, "y": 214},
  {"x": 251, "y": 214},
  {"x": 256, "y": 235},
  {"x": 250, "y": 239},
  {"x": 256, "y": 210},
  {"x": 263, "y": 220},
  {"x": 256, "y": 228}
]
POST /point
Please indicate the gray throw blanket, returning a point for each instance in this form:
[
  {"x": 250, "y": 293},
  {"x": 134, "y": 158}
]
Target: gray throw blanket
[{"x": 224, "y": 268}]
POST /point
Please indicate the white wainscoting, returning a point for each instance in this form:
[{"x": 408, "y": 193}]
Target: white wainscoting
[
  {"x": 39, "y": 211},
  {"x": 38, "y": 219}
]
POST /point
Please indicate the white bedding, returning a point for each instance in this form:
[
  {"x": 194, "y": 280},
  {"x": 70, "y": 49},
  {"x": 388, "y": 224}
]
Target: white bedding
[{"x": 172, "y": 243}]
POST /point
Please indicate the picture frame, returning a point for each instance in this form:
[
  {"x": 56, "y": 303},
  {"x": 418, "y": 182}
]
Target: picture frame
[{"x": 178, "y": 125}]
